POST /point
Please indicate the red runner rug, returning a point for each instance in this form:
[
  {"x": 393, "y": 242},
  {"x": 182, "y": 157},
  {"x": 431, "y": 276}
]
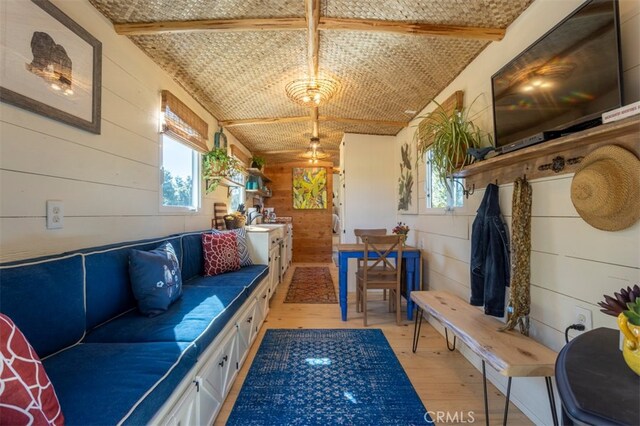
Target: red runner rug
[{"x": 311, "y": 284}]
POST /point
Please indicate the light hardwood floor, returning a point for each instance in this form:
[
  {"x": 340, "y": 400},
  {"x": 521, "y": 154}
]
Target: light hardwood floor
[{"x": 444, "y": 380}]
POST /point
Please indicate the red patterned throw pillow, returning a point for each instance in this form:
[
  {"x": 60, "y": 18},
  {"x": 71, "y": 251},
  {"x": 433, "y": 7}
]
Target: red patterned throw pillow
[
  {"x": 220, "y": 253},
  {"x": 26, "y": 394}
]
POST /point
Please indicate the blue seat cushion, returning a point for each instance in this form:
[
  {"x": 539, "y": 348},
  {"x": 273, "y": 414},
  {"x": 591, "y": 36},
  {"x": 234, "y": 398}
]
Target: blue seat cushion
[
  {"x": 198, "y": 316},
  {"x": 45, "y": 299},
  {"x": 247, "y": 277},
  {"x": 106, "y": 383}
]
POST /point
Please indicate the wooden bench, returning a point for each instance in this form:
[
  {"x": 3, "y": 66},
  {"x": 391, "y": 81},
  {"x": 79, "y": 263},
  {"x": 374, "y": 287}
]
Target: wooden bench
[{"x": 510, "y": 353}]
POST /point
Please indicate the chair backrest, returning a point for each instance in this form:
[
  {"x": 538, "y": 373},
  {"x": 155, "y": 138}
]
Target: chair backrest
[
  {"x": 382, "y": 247},
  {"x": 360, "y": 232},
  {"x": 219, "y": 211}
]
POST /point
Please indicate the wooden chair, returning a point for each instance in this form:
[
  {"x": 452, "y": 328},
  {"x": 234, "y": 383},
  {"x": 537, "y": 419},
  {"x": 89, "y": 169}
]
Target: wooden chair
[
  {"x": 380, "y": 271},
  {"x": 359, "y": 232},
  {"x": 219, "y": 210}
]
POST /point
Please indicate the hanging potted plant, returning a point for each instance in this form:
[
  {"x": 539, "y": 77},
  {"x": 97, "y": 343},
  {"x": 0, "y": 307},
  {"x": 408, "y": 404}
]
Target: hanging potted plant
[
  {"x": 449, "y": 134},
  {"x": 217, "y": 164}
]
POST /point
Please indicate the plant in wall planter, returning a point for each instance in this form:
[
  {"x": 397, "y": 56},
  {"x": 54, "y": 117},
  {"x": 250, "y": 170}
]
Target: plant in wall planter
[
  {"x": 257, "y": 162},
  {"x": 449, "y": 134},
  {"x": 217, "y": 164}
]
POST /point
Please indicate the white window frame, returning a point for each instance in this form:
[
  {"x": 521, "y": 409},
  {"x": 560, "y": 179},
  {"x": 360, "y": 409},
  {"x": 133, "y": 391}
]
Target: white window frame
[
  {"x": 451, "y": 196},
  {"x": 196, "y": 195}
]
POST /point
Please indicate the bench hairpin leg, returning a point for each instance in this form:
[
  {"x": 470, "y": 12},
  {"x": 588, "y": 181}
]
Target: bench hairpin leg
[
  {"x": 486, "y": 400},
  {"x": 506, "y": 404},
  {"x": 446, "y": 336},
  {"x": 416, "y": 328},
  {"x": 552, "y": 401}
]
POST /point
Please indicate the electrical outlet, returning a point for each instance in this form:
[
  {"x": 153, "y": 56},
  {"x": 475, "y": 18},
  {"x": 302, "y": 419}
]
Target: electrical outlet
[
  {"x": 583, "y": 316},
  {"x": 55, "y": 214}
]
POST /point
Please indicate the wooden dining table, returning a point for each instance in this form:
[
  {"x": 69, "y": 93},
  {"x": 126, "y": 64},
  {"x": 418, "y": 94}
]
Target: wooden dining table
[{"x": 412, "y": 257}]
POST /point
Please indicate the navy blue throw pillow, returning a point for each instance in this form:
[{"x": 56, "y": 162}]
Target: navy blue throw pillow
[{"x": 155, "y": 278}]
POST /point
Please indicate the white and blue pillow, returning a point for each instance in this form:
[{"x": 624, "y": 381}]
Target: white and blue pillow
[
  {"x": 243, "y": 248},
  {"x": 155, "y": 278}
]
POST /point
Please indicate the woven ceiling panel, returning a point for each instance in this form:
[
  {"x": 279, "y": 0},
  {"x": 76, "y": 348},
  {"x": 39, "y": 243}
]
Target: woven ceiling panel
[
  {"x": 235, "y": 74},
  {"x": 384, "y": 74},
  {"x": 476, "y": 13},
  {"x": 120, "y": 11},
  {"x": 242, "y": 75}
]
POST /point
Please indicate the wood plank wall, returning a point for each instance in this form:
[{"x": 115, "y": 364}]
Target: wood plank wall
[{"x": 312, "y": 232}]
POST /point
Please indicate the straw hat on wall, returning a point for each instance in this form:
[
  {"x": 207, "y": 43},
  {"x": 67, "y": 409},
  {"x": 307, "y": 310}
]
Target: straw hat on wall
[{"x": 606, "y": 188}]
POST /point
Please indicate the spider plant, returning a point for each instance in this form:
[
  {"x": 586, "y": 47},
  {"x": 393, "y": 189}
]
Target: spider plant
[{"x": 448, "y": 134}]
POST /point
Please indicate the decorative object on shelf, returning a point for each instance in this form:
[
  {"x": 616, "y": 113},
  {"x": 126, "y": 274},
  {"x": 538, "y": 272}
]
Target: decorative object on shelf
[
  {"x": 217, "y": 164},
  {"x": 314, "y": 152},
  {"x": 257, "y": 162},
  {"x": 629, "y": 323},
  {"x": 407, "y": 195},
  {"x": 312, "y": 92},
  {"x": 558, "y": 163},
  {"x": 309, "y": 188},
  {"x": 220, "y": 139},
  {"x": 606, "y": 188},
  {"x": 51, "y": 65},
  {"x": 448, "y": 132}
]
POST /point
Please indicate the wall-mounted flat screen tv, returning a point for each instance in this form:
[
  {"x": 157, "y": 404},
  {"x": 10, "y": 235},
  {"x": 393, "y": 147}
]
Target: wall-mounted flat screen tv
[{"x": 567, "y": 78}]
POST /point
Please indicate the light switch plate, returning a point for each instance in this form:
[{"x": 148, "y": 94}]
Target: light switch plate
[{"x": 55, "y": 214}]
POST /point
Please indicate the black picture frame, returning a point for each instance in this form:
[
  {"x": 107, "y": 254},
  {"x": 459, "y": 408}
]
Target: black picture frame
[{"x": 63, "y": 81}]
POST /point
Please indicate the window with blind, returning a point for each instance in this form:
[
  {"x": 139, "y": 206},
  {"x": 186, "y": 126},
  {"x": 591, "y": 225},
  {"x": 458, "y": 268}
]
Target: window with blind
[{"x": 183, "y": 139}]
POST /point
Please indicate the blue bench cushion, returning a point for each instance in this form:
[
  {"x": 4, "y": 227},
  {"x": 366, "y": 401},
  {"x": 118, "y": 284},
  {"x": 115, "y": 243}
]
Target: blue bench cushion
[
  {"x": 193, "y": 259},
  {"x": 45, "y": 299},
  {"x": 198, "y": 316},
  {"x": 104, "y": 383},
  {"x": 108, "y": 285},
  {"x": 248, "y": 277}
]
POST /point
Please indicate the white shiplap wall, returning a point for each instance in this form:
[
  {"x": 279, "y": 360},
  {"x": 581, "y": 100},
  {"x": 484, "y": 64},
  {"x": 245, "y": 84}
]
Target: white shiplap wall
[
  {"x": 572, "y": 264},
  {"x": 109, "y": 183}
]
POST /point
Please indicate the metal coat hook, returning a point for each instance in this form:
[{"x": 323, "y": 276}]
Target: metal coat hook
[{"x": 466, "y": 191}]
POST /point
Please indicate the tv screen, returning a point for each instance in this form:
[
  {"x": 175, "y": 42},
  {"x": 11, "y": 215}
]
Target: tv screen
[{"x": 570, "y": 76}]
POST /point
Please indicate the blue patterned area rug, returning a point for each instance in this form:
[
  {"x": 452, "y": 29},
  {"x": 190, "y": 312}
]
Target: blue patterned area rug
[{"x": 327, "y": 377}]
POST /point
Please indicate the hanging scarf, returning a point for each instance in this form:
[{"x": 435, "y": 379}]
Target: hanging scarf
[{"x": 520, "y": 296}]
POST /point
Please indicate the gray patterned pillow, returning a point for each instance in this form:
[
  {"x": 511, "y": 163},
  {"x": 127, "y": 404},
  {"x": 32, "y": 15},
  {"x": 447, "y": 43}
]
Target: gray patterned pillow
[{"x": 243, "y": 249}]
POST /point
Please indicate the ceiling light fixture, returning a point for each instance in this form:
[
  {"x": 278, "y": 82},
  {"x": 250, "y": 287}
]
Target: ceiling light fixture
[
  {"x": 314, "y": 152},
  {"x": 311, "y": 92}
]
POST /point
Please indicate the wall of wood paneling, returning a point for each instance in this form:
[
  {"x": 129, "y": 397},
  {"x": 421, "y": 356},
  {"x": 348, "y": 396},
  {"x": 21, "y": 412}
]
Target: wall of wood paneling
[
  {"x": 109, "y": 183},
  {"x": 572, "y": 263},
  {"x": 312, "y": 231}
]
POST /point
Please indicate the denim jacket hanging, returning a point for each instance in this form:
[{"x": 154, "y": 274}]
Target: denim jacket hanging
[{"x": 489, "y": 255}]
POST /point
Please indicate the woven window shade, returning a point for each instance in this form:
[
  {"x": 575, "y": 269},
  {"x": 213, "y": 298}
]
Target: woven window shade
[
  {"x": 182, "y": 122},
  {"x": 452, "y": 103},
  {"x": 244, "y": 158}
]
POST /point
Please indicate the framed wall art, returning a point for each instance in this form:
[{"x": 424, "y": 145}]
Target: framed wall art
[
  {"x": 408, "y": 180},
  {"x": 309, "y": 188},
  {"x": 51, "y": 65}
]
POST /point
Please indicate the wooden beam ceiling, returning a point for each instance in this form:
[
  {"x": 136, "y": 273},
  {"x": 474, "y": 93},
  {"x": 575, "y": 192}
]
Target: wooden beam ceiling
[
  {"x": 321, "y": 23},
  {"x": 276, "y": 120},
  {"x": 271, "y": 24}
]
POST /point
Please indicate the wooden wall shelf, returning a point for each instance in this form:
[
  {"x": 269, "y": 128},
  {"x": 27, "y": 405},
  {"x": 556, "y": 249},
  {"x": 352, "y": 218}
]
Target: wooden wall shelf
[
  {"x": 506, "y": 168},
  {"x": 258, "y": 172}
]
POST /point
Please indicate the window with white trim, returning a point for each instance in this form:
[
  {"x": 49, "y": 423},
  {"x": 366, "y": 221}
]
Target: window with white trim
[
  {"x": 180, "y": 186},
  {"x": 441, "y": 193}
]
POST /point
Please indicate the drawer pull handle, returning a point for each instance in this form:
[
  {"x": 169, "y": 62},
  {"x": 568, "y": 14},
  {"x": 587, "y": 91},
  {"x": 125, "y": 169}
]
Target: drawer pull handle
[
  {"x": 221, "y": 363},
  {"x": 249, "y": 319},
  {"x": 225, "y": 358},
  {"x": 264, "y": 296}
]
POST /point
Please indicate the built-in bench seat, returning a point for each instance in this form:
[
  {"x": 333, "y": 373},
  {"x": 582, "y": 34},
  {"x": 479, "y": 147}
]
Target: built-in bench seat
[{"x": 111, "y": 365}]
